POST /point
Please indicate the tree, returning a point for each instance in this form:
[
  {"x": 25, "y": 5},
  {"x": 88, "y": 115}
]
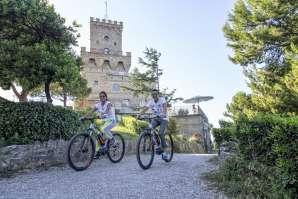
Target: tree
[
  {"x": 68, "y": 83},
  {"x": 264, "y": 37},
  {"x": 142, "y": 83},
  {"x": 34, "y": 41}
]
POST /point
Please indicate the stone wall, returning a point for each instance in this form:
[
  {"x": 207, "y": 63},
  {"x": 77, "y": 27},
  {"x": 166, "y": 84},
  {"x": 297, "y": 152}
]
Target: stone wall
[
  {"x": 19, "y": 157},
  {"x": 43, "y": 155}
]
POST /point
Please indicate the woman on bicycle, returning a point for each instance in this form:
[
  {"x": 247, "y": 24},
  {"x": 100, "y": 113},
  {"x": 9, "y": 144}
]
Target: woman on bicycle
[{"x": 104, "y": 110}]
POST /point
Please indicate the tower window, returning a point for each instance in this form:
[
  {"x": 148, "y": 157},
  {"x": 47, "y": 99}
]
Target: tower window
[
  {"x": 106, "y": 65},
  {"x": 125, "y": 102},
  {"x": 106, "y": 38},
  {"x": 92, "y": 61},
  {"x": 116, "y": 87},
  {"x": 115, "y": 44},
  {"x": 95, "y": 83}
]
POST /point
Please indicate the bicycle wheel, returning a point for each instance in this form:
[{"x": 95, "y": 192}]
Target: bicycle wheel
[
  {"x": 80, "y": 151},
  {"x": 145, "y": 150},
  {"x": 116, "y": 150},
  {"x": 170, "y": 149}
]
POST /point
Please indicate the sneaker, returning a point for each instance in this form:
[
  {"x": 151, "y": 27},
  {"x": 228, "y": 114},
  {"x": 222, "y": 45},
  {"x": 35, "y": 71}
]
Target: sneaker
[
  {"x": 158, "y": 150},
  {"x": 97, "y": 154},
  {"x": 164, "y": 156}
]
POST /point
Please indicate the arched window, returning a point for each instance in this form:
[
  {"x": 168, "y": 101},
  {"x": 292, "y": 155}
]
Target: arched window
[
  {"x": 92, "y": 61},
  {"x": 95, "y": 83},
  {"x": 120, "y": 66},
  {"x": 106, "y": 38},
  {"x": 106, "y": 65}
]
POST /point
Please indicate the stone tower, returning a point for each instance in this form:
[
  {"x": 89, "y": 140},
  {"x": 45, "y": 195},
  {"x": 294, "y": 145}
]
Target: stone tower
[{"x": 105, "y": 66}]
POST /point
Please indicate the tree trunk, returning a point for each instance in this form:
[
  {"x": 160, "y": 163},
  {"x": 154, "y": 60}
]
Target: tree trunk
[
  {"x": 23, "y": 96},
  {"x": 64, "y": 99},
  {"x": 47, "y": 91}
]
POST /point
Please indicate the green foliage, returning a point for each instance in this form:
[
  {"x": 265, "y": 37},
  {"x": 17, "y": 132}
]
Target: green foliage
[
  {"x": 131, "y": 124},
  {"x": 267, "y": 143},
  {"x": 24, "y": 123},
  {"x": 262, "y": 31},
  {"x": 263, "y": 35},
  {"x": 249, "y": 179},
  {"x": 35, "y": 44},
  {"x": 273, "y": 141},
  {"x": 172, "y": 127},
  {"x": 223, "y": 134},
  {"x": 142, "y": 83},
  {"x": 226, "y": 132}
]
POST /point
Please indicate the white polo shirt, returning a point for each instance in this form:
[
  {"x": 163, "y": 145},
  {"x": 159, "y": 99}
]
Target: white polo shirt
[{"x": 158, "y": 107}]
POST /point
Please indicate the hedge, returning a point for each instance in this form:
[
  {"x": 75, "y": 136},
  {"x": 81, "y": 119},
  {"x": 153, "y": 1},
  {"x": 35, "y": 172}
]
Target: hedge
[
  {"x": 273, "y": 141},
  {"x": 27, "y": 122}
]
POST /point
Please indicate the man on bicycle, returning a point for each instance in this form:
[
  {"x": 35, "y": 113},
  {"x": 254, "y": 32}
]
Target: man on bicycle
[{"x": 158, "y": 106}]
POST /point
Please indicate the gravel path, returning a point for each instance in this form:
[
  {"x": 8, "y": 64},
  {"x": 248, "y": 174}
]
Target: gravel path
[{"x": 178, "y": 179}]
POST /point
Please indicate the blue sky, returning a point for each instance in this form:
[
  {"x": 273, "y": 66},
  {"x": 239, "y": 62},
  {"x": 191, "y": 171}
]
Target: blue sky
[{"x": 188, "y": 34}]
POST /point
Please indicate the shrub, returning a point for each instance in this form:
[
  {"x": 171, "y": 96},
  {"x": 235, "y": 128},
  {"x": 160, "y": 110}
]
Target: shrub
[
  {"x": 273, "y": 141},
  {"x": 266, "y": 166},
  {"x": 131, "y": 124},
  {"x": 173, "y": 127},
  {"x": 24, "y": 123},
  {"x": 223, "y": 134},
  {"x": 249, "y": 179}
]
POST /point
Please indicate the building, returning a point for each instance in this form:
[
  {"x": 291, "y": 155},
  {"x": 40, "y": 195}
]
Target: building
[{"x": 106, "y": 66}]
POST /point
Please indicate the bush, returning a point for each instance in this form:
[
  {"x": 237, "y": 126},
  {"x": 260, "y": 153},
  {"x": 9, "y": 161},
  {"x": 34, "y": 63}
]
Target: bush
[
  {"x": 24, "y": 123},
  {"x": 132, "y": 125},
  {"x": 272, "y": 140},
  {"x": 173, "y": 127},
  {"x": 249, "y": 179},
  {"x": 266, "y": 165},
  {"x": 224, "y": 134}
]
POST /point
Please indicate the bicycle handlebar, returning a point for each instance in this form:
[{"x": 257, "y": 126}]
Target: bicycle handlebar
[{"x": 87, "y": 118}]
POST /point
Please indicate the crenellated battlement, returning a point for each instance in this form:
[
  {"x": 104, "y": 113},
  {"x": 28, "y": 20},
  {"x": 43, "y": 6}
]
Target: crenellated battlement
[{"x": 98, "y": 21}]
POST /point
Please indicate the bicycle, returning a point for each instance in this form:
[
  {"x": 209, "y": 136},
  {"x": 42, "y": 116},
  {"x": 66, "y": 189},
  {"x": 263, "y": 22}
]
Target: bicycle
[
  {"x": 146, "y": 144},
  {"x": 81, "y": 147}
]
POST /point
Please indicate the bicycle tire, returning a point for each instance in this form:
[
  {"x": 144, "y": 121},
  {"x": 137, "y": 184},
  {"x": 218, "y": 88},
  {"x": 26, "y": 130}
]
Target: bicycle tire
[
  {"x": 145, "y": 135},
  {"x": 122, "y": 152},
  {"x": 172, "y": 148},
  {"x": 89, "y": 140}
]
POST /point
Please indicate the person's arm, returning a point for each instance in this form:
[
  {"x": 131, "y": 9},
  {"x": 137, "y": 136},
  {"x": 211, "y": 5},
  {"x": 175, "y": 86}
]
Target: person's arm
[{"x": 144, "y": 109}]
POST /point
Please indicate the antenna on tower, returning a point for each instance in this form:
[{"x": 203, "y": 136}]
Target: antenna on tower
[{"x": 106, "y": 4}]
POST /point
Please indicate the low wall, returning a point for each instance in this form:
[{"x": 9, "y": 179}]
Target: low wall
[{"x": 43, "y": 155}]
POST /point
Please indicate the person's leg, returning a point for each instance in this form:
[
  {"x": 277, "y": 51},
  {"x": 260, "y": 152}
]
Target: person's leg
[
  {"x": 154, "y": 123},
  {"x": 106, "y": 128},
  {"x": 162, "y": 128}
]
